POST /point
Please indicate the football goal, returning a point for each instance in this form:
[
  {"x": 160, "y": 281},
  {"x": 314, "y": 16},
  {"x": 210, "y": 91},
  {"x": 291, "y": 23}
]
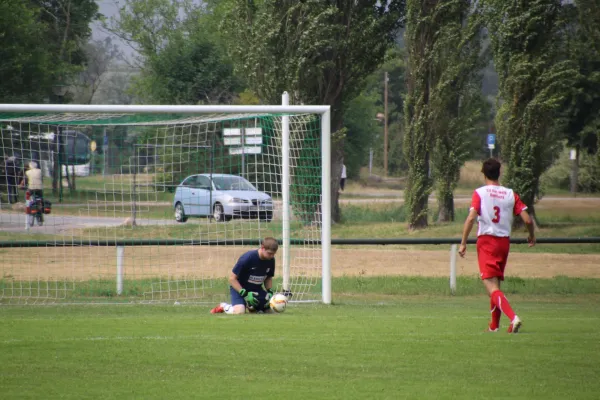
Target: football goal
[{"x": 157, "y": 203}]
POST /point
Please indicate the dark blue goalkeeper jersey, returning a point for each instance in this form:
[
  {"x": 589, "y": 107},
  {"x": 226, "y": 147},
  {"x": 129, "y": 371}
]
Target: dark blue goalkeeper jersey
[{"x": 252, "y": 271}]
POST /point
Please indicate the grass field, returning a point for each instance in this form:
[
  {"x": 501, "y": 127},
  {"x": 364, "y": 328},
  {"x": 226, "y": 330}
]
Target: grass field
[
  {"x": 397, "y": 336},
  {"x": 390, "y": 347}
]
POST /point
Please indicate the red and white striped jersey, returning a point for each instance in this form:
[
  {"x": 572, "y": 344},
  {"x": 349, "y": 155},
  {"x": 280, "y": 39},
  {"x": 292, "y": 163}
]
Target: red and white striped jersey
[{"x": 496, "y": 205}]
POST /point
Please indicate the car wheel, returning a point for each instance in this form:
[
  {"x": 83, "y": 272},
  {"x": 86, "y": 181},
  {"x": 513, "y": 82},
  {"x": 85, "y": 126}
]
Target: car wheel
[
  {"x": 219, "y": 213},
  {"x": 180, "y": 213}
]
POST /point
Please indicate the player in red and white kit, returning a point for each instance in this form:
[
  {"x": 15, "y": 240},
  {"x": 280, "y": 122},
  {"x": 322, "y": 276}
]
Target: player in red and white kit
[{"x": 494, "y": 206}]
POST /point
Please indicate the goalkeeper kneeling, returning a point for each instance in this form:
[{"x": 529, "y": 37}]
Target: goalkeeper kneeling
[{"x": 251, "y": 280}]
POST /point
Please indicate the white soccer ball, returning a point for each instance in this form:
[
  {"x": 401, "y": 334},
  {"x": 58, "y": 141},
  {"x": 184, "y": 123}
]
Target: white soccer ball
[{"x": 278, "y": 303}]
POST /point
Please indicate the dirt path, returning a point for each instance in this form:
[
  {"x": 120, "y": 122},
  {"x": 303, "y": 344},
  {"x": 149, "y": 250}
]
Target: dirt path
[
  {"x": 437, "y": 263},
  {"x": 185, "y": 261}
]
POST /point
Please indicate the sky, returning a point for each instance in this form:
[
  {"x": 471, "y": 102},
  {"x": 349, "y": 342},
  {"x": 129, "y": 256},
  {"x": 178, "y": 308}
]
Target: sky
[{"x": 110, "y": 8}]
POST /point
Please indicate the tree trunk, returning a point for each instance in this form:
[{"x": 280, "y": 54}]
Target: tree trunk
[
  {"x": 420, "y": 210},
  {"x": 417, "y": 195},
  {"x": 418, "y": 139},
  {"x": 446, "y": 205}
]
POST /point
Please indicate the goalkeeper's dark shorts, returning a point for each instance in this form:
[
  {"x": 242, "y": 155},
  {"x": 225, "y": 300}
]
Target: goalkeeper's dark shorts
[{"x": 261, "y": 295}]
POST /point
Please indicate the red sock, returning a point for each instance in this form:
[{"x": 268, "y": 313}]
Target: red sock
[
  {"x": 496, "y": 314},
  {"x": 500, "y": 301}
]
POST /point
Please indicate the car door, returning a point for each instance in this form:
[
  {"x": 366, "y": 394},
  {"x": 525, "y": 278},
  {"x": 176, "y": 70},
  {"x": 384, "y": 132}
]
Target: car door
[
  {"x": 202, "y": 195},
  {"x": 185, "y": 194}
]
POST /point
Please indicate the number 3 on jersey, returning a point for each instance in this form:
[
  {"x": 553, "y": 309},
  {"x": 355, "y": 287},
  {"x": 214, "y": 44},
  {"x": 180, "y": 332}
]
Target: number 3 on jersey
[{"x": 496, "y": 215}]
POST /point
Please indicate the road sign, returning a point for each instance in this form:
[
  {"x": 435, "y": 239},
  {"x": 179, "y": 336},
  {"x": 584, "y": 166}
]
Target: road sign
[
  {"x": 253, "y": 131},
  {"x": 251, "y": 138},
  {"x": 244, "y": 150},
  {"x": 491, "y": 141},
  {"x": 232, "y": 132},
  {"x": 232, "y": 141}
]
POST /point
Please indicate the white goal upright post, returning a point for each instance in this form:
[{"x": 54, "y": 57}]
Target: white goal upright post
[{"x": 180, "y": 191}]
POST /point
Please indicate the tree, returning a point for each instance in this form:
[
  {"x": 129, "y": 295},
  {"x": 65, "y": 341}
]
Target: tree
[
  {"x": 67, "y": 30},
  {"x": 147, "y": 26},
  {"x": 360, "y": 123},
  {"x": 320, "y": 51},
  {"x": 528, "y": 48},
  {"x": 42, "y": 45},
  {"x": 456, "y": 105},
  {"x": 100, "y": 56},
  {"x": 25, "y": 62},
  {"x": 180, "y": 59},
  {"x": 363, "y": 120},
  {"x": 189, "y": 70},
  {"x": 581, "y": 119},
  {"x": 443, "y": 102},
  {"x": 418, "y": 136},
  {"x": 394, "y": 65},
  {"x": 116, "y": 89}
]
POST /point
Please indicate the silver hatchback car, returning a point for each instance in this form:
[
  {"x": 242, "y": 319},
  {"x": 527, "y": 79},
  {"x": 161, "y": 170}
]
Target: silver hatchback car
[{"x": 221, "y": 196}]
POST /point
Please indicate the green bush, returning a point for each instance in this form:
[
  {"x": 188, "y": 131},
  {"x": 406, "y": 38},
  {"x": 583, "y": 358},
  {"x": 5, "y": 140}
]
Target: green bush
[
  {"x": 167, "y": 180},
  {"x": 559, "y": 175}
]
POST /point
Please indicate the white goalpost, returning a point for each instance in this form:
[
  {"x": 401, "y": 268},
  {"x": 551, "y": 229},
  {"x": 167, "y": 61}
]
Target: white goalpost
[{"x": 155, "y": 203}]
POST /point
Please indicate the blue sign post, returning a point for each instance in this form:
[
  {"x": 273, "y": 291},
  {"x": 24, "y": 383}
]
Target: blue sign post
[{"x": 491, "y": 142}]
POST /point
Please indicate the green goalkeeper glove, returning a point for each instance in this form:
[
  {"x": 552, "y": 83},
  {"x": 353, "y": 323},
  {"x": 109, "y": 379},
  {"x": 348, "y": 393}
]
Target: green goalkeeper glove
[
  {"x": 268, "y": 298},
  {"x": 249, "y": 297}
]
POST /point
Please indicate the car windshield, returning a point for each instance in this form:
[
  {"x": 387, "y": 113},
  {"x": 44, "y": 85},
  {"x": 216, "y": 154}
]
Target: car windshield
[{"x": 232, "y": 183}]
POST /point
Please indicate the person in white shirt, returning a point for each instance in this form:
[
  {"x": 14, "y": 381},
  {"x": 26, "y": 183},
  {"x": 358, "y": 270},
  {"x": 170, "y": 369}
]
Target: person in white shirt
[
  {"x": 493, "y": 206},
  {"x": 33, "y": 180},
  {"x": 343, "y": 178}
]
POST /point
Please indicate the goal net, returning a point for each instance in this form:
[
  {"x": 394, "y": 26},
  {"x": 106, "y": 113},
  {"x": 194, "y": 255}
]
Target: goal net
[{"x": 157, "y": 203}]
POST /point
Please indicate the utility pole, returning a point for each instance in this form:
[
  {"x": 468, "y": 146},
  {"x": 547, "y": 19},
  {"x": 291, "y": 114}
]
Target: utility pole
[{"x": 385, "y": 125}]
